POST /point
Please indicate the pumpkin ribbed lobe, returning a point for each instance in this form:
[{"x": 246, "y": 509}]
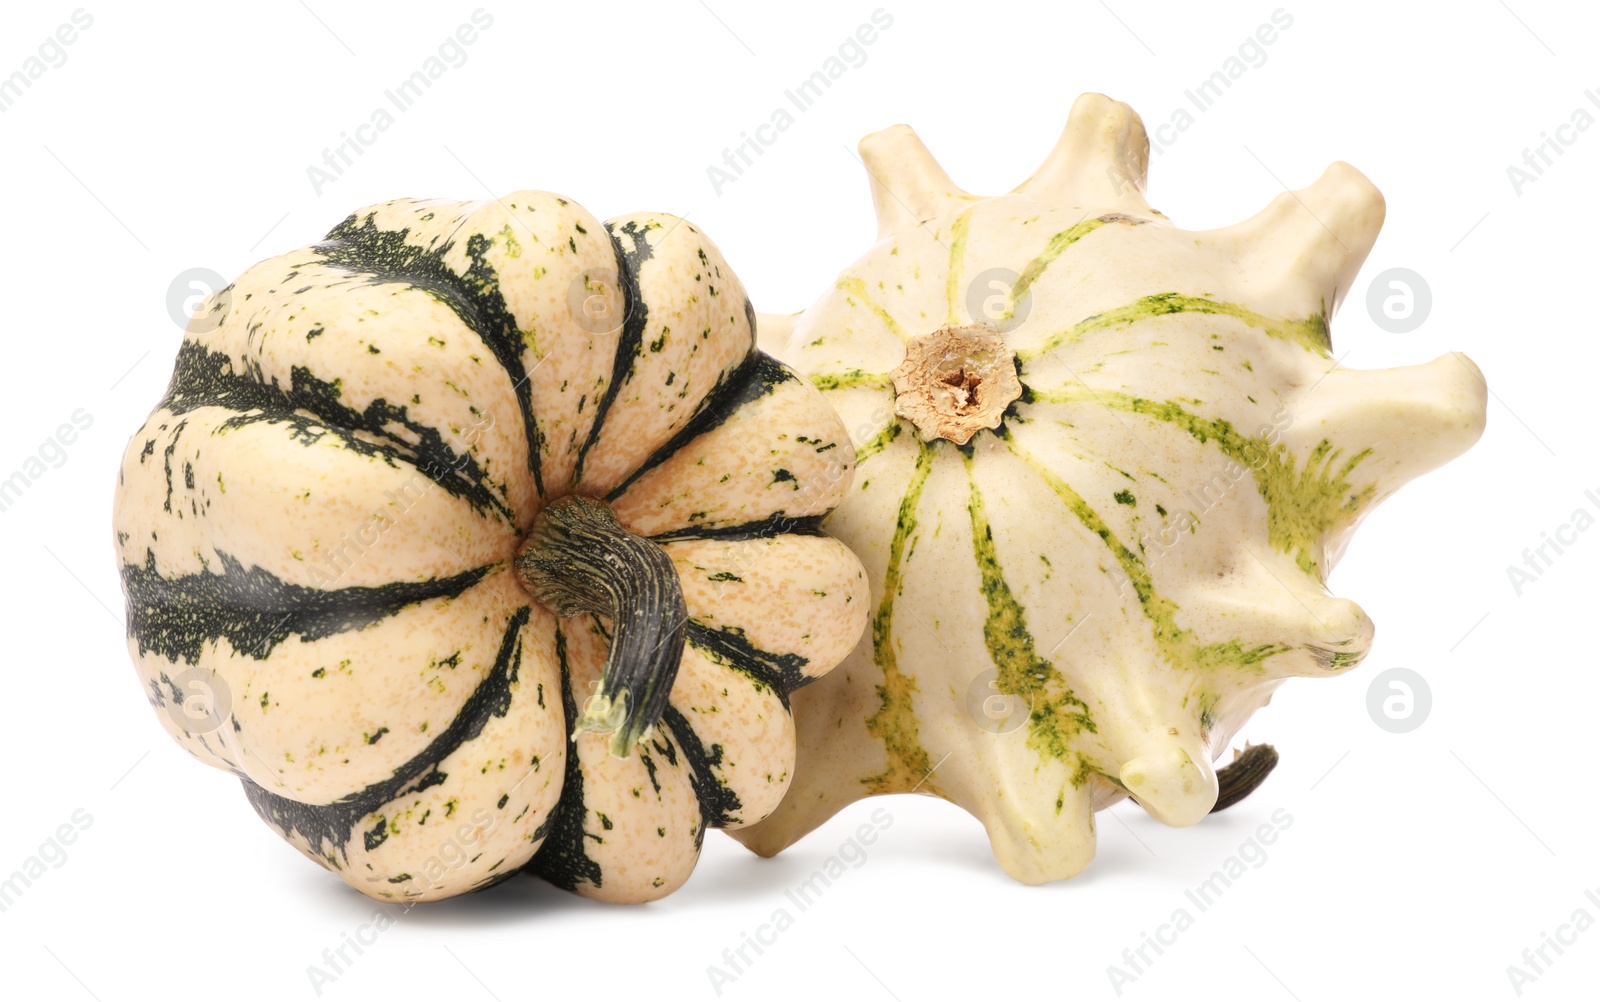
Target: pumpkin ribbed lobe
[
  {"x": 317, "y": 530},
  {"x": 578, "y": 559},
  {"x": 956, "y": 382}
]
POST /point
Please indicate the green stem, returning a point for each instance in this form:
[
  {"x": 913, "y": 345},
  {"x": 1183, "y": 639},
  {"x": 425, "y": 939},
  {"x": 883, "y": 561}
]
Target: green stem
[
  {"x": 579, "y": 559},
  {"x": 1241, "y": 776}
]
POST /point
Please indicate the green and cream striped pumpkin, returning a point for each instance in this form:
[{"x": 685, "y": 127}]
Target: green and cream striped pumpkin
[
  {"x": 1104, "y": 468},
  {"x": 415, "y": 491}
]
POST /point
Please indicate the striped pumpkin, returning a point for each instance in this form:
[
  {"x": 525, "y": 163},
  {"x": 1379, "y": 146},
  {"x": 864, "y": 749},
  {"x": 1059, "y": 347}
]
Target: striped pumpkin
[
  {"x": 480, "y": 536},
  {"x": 1104, "y": 468}
]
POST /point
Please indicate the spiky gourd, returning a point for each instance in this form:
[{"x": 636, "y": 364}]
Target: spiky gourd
[
  {"x": 480, "y": 535},
  {"x": 1105, "y": 466}
]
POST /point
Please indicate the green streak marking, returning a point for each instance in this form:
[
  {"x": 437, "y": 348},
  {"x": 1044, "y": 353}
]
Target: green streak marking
[
  {"x": 1303, "y": 506},
  {"x": 858, "y": 288},
  {"x": 1054, "y": 249},
  {"x": 895, "y": 723},
  {"x": 952, "y": 282},
  {"x": 877, "y": 443},
  {"x": 1176, "y": 644},
  {"x": 1303, "y": 509},
  {"x": 1056, "y": 716},
  {"x": 1340, "y": 660},
  {"x": 850, "y": 378},
  {"x": 1310, "y": 332}
]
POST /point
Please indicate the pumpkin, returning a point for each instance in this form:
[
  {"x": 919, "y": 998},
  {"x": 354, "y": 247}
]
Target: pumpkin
[
  {"x": 479, "y": 537},
  {"x": 1104, "y": 468}
]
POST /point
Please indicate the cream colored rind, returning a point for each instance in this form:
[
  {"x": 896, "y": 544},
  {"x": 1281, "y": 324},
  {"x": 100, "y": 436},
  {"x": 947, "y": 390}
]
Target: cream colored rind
[
  {"x": 316, "y": 530},
  {"x": 1090, "y": 601}
]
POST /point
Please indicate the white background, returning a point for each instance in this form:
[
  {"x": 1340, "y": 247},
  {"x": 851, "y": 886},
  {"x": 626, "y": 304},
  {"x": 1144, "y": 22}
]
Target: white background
[{"x": 1417, "y": 865}]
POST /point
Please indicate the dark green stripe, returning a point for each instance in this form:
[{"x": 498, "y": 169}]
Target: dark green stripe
[
  {"x": 636, "y": 313},
  {"x": 561, "y": 858},
  {"x": 756, "y": 377},
  {"x": 204, "y": 378},
  {"x": 498, "y": 877},
  {"x": 255, "y": 610},
  {"x": 328, "y": 828},
  {"x": 385, "y": 257},
  {"x": 718, "y": 802},
  {"x": 777, "y": 524},
  {"x": 781, "y": 673},
  {"x": 166, "y": 464}
]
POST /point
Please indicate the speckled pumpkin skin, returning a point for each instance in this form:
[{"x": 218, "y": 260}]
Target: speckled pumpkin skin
[
  {"x": 316, "y": 527},
  {"x": 1089, "y": 601}
]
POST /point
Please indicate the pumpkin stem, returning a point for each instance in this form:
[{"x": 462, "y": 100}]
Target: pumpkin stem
[
  {"x": 1240, "y": 778},
  {"x": 955, "y": 382},
  {"x": 579, "y": 559}
]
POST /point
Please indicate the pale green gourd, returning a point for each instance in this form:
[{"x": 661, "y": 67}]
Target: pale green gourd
[{"x": 1088, "y": 599}]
